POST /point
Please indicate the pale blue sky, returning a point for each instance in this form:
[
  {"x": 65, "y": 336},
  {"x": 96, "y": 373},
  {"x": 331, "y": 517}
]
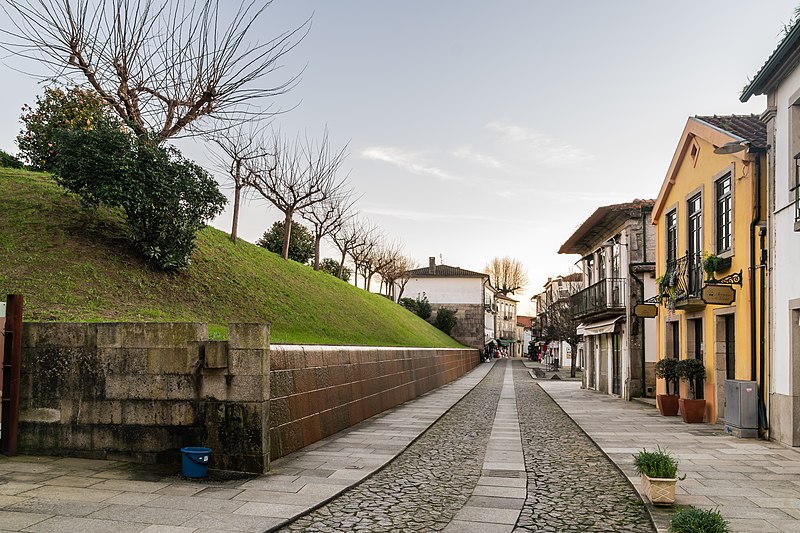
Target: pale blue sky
[{"x": 495, "y": 128}]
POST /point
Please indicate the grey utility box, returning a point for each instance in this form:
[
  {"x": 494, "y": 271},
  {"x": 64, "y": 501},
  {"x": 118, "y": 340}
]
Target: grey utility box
[{"x": 741, "y": 408}]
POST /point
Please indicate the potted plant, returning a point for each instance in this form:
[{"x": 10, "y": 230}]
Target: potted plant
[
  {"x": 659, "y": 472},
  {"x": 668, "y": 289},
  {"x": 711, "y": 262},
  {"x": 693, "y": 372},
  {"x": 694, "y": 520},
  {"x": 667, "y": 369}
]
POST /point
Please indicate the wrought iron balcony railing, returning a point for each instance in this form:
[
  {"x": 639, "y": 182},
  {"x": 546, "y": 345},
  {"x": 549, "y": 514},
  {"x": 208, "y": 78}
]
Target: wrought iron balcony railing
[
  {"x": 605, "y": 296},
  {"x": 683, "y": 278}
]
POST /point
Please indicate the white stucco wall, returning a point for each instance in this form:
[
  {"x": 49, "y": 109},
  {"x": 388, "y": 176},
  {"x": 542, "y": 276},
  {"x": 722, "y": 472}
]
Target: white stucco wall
[
  {"x": 446, "y": 290},
  {"x": 786, "y": 242}
]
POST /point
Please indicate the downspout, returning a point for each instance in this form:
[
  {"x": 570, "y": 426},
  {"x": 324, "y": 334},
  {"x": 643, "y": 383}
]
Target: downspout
[{"x": 759, "y": 378}]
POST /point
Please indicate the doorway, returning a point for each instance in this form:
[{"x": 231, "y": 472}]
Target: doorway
[{"x": 616, "y": 364}]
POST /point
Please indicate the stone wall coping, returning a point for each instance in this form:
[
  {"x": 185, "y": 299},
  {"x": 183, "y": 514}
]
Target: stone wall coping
[{"x": 328, "y": 347}]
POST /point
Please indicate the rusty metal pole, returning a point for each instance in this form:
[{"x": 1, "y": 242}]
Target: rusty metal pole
[{"x": 12, "y": 361}]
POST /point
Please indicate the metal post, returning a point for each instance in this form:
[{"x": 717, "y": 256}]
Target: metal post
[{"x": 12, "y": 358}]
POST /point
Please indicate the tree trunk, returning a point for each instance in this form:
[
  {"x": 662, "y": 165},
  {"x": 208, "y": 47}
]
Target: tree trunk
[
  {"x": 287, "y": 234},
  {"x": 341, "y": 265},
  {"x": 237, "y": 195},
  {"x": 573, "y": 366},
  {"x": 317, "y": 240}
]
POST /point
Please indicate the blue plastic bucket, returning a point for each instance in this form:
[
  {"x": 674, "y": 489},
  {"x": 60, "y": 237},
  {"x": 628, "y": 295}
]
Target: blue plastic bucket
[{"x": 194, "y": 462}]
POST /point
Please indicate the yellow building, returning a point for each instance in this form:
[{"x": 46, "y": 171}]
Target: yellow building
[{"x": 711, "y": 203}]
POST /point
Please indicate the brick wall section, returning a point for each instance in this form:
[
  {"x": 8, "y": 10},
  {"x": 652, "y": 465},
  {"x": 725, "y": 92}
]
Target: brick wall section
[
  {"x": 319, "y": 390},
  {"x": 142, "y": 391},
  {"x": 469, "y": 329}
]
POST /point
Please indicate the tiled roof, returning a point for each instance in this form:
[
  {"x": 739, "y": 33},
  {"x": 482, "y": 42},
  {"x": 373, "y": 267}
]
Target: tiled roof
[
  {"x": 780, "y": 64},
  {"x": 525, "y": 321},
  {"x": 596, "y": 226},
  {"x": 445, "y": 271},
  {"x": 748, "y": 127}
]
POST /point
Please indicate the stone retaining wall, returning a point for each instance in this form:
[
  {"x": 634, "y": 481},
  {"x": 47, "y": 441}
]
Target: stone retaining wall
[
  {"x": 319, "y": 390},
  {"x": 142, "y": 391},
  {"x": 470, "y": 326}
]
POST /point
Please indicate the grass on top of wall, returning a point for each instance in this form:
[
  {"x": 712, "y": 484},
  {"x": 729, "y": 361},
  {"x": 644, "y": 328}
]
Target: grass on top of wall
[{"x": 73, "y": 264}]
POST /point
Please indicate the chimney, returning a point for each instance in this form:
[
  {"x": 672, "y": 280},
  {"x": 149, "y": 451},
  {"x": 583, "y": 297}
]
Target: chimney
[{"x": 432, "y": 266}]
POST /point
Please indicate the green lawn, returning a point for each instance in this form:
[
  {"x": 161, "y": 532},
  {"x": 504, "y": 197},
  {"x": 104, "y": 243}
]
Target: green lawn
[{"x": 73, "y": 264}]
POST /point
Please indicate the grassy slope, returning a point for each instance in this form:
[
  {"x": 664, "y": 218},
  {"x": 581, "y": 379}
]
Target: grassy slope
[{"x": 75, "y": 265}]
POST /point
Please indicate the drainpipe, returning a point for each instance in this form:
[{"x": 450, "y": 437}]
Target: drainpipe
[{"x": 758, "y": 377}]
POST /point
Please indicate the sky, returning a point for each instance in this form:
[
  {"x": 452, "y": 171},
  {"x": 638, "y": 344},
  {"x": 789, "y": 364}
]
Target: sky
[{"x": 483, "y": 129}]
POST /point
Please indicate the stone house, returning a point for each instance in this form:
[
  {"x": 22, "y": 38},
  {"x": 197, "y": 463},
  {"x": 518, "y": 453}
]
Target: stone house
[
  {"x": 617, "y": 272},
  {"x": 463, "y": 291}
]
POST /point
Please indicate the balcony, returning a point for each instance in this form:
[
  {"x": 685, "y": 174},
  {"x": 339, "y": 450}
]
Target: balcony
[
  {"x": 605, "y": 298},
  {"x": 682, "y": 283}
]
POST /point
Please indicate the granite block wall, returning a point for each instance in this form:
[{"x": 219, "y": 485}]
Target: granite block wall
[
  {"x": 142, "y": 391},
  {"x": 469, "y": 329},
  {"x": 319, "y": 390}
]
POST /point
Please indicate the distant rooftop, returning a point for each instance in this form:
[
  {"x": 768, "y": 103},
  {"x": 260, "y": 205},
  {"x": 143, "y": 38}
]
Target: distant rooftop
[
  {"x": 444, "y": 271},
  {"x": 597, "y": 226}
]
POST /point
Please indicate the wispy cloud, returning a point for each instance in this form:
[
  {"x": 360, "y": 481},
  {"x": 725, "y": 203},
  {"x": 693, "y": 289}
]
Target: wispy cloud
[
  {"x": 423, "y": 216},
  {"x": 412, "y": 162},
  {"x": 482, "y": 159},
  {"x": 541, "y": 148}
]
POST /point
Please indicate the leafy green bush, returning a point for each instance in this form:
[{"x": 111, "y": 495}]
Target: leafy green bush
[
  {"x": 9, "y": 161},
  {"x": 694, "y": 520},
  {"x": 419, "y": 306},
  {"x": 658, "y": 464},
  {"x": 445, "y": 320},
  {"x": 56, "y": 111},
  {"x": 301, "y": 243},
  {"x": 331, "y": 266},
  {"x": 166, "y": 198}
]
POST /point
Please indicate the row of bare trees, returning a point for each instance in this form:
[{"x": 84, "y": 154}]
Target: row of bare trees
[{"x": 173, "y": 68}]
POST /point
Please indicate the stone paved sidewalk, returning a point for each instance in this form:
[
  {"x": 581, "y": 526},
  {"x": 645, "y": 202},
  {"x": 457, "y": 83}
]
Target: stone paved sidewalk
[
  {"x": 50, "y": 494},
  {"x": 754, "y": 483}
]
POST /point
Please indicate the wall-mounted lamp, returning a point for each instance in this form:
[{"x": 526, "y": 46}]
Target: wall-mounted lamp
[{"x": 732, "y": 147}]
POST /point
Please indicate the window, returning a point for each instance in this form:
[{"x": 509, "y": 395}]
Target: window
[
  {"x": 794, "y": 191},
  {"x": 672, "y": 235},
  {"x": 601, "y": 265},
  {"x": 695, "y": 210},
  {"x": 722, "y": 189},
  {"x": 589, "y": 270}
]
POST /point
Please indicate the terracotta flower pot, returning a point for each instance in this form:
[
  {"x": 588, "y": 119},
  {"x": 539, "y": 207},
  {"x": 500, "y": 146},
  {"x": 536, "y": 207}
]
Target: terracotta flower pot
[
  {"x": 692, "y": 411},
  {"x": 668, "y": 404},
  {"x": 659, "y": 491}
]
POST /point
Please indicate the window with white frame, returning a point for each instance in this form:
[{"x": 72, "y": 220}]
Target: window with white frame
[
  {"x": 722, "y": 193},
  {"x": 794, "y": 190}
]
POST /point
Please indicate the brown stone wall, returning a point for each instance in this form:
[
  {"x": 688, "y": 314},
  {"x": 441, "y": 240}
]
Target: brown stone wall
[
  {"x": 319, "y": 390},
  {"x": 470, "y": 325},
  {"x": 142, "y": 391}
]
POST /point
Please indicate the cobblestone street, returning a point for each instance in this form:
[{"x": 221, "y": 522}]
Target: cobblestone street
[
  {"x": 571, "y": 485},
  {"x": 426, "y": 485}
]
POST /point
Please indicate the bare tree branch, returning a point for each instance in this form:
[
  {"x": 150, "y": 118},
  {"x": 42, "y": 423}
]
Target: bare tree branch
[
  {"x": 297, "y": 175},
  {"x": 327, "y": 216},
  {"x": 506, "y": 274},
  {"x": 161, "y": 66}
]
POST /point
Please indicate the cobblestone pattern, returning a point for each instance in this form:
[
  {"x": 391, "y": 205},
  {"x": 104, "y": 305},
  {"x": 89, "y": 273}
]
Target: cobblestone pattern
[
  {"x": 427, "y": 484},
  {"x": 572, "y": 486}
]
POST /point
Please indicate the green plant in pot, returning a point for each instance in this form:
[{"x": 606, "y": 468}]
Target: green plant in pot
[
  {"x": 711, "y": 263},
  {"x": 659, "y": 471},
  {"x": 667, "y": 369},
  {"x": 694, "y": 520},
  {"x": 668, "y": 289},
  {"x": 693, "y": 372}
]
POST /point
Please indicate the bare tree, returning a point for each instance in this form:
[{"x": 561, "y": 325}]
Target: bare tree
[
  {"x": 346, "y": 237},
  {"x": 506, "y": 274},
  {"x": 561, "y": 324},
  {"x": 395, "y": 274},
  {"x": 364, "y": 252},
  {"x": 240, "y": 146},
  {"x": 327, "y": 216},
  {"x": 297, "y": 175},
  {"x": 160, "y": 65}
]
